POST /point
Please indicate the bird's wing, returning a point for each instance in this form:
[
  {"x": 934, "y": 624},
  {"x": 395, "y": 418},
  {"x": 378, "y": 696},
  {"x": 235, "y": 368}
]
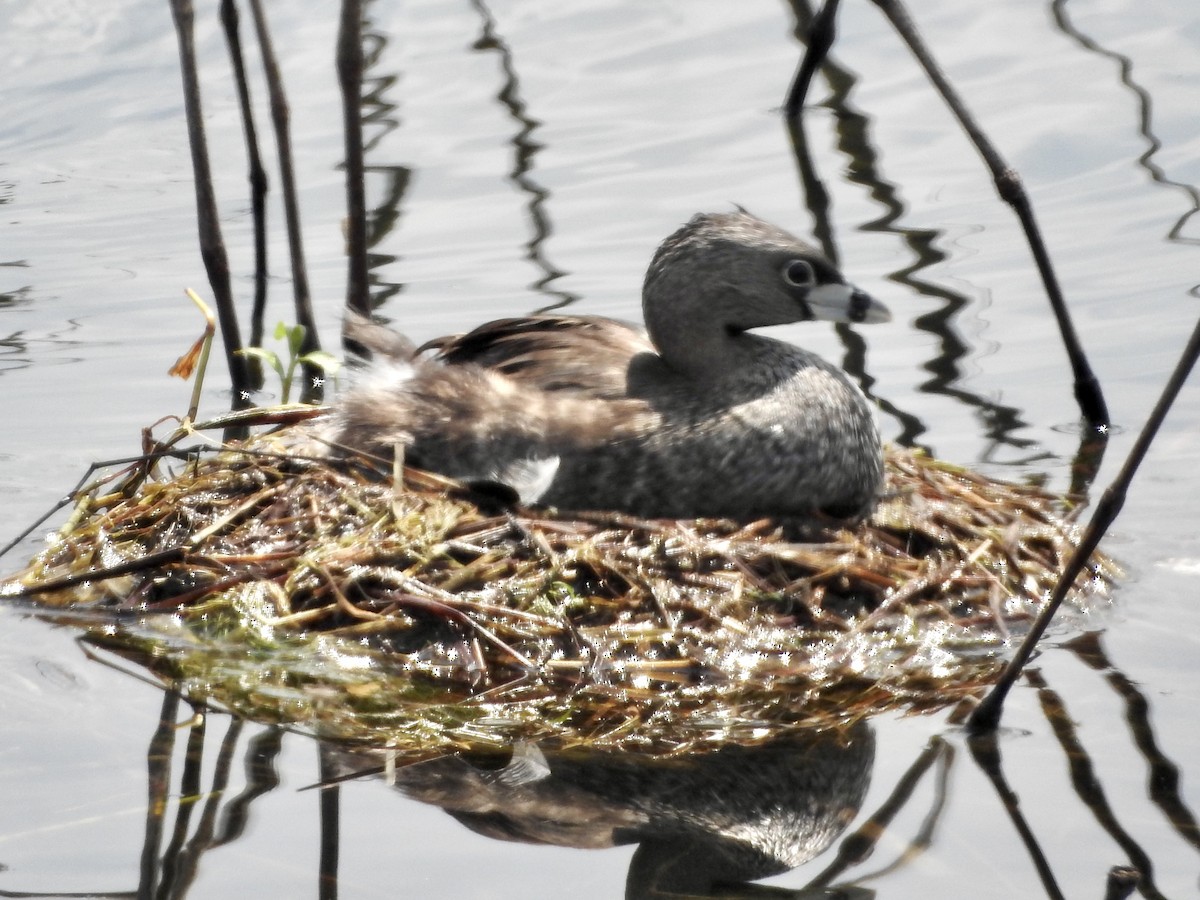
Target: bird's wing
[
  {"x": 586, "y": 354},
  {"x": 369, "y": 339}
]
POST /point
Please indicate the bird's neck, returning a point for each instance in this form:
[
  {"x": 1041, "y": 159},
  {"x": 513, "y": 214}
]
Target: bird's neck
[
  {"x": 690, "y": 339},
  {"x": 706, "y": 353}
]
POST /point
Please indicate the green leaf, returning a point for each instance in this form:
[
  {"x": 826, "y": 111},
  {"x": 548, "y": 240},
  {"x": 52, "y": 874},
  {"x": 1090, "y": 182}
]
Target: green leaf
[
  {"x": 270, "y": 357},
  {"x": 326, "y": 362},
  {"x": 295, "y": 336}
]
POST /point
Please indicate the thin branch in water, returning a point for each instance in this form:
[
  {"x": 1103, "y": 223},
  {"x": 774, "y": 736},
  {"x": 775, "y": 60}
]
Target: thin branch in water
[
  {"x": 189, "y": 791},
  {"x": 1145, "y": 120},
  {"x": 350, "y": 79},
  {"x": 525, "y": 150},
  {"x": 258, "y": 184},
  {"x": 822, "y": 31},
  {"x": 187, "y": 862},
  {"x": 261, "y": 776},
  {"x": 313, "y": 389},
  {"x": 1008, "y": 183},
  {"x": 985, "y": 749},
  {"x": 1011, "y": 191},
  {"x": 1164, "y": 777},
  {"x": 857, "y": 847},
  {"x": 158, "y": 764},
  {"x": 1088, "y": 787},
  {"x": 212, "y": 245},
  {"x": 853, "y": 133},
  {"x": 82, "y": 487},
  {"x": 819, "y": 40},
  {"x": 330, "y": 799},
  {"x": 986, "y": 716}
]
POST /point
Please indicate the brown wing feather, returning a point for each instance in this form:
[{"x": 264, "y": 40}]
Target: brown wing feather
[
  {"x": 507, "y": 394},
  {"x": 374, "y": 340},
  {"x": 588, "y": 354}
]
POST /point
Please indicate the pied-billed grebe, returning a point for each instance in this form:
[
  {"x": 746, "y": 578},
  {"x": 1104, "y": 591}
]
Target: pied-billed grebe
[{"x": 699, "y": 418}]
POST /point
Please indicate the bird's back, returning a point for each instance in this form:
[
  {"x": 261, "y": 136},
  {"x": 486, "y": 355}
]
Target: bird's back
[{"x": 585, "y": 405}]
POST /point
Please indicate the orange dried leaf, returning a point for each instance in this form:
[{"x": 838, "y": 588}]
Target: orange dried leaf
[{"x": 186, "y": 364}]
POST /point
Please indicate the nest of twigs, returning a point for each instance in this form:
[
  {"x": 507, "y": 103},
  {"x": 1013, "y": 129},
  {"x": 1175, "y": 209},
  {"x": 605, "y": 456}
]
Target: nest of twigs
[{"x": 295, "y": 589}]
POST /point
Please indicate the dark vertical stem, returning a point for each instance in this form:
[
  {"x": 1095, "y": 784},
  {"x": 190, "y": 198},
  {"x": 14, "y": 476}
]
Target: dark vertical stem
[
  {"x": 816, "y": 196},
  {"x": 212, "y": 246},
  {"x": 1141, "y": 98},
  {"x": 986, "y": 751},
  {"x": 330, "y": 796},
  {"x": 525, "y": 151},
  {"x": 189, "y": 792},
  {"x": 1093, "y": 443},
  {"x": 350, "y": 78},
  {"x": 1011, "y": 191},
  {"x": 258, "y": 184},
  {"x": 864, "y": 167},
  {"x": 158, "y": 766},
  {"x": 262, "y": 776},
  {"x": 1164, "y": 779},
  {"x": 1121, "y": 882},
  {"x": 986, "y": 716},
  {"x": 312, "y": 389},
  {"x": 857, "y": 847},
  {"x": 1088, "y": 787},
  {"x": 189, "y": 858},
  {"x": 821, "y": 33},
  {"x": 380, "y": 117}
]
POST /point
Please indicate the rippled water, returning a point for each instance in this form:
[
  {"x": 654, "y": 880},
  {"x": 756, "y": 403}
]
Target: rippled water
[{"x": 532, "y": 152}]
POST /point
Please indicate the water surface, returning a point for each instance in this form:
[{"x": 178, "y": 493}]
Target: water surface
[{"x": 525, "y": 153}]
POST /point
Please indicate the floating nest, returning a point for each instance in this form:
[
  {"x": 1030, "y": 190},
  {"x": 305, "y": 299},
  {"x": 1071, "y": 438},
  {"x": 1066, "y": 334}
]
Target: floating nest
[{"x": 418, "y": 615}]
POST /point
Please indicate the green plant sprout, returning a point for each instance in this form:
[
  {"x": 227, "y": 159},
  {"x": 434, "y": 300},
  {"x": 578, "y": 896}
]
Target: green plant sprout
[{"x": 294, "y": 334}]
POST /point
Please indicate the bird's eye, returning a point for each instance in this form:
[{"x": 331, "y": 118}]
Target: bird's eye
[{"x": 798, "y": 273}]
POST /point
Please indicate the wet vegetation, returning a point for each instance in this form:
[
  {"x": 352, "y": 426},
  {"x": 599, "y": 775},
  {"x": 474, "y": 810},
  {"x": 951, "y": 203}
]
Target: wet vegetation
[{"x": 427, "y": 616}]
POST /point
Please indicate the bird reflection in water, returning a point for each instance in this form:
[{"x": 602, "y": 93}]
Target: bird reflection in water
[{"x": 700, "y": 822}]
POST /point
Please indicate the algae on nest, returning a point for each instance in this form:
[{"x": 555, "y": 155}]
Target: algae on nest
[{"x": 315, "y": 593}]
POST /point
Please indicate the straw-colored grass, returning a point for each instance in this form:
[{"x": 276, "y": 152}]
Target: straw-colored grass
[{"x": 318, "y": 594}]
